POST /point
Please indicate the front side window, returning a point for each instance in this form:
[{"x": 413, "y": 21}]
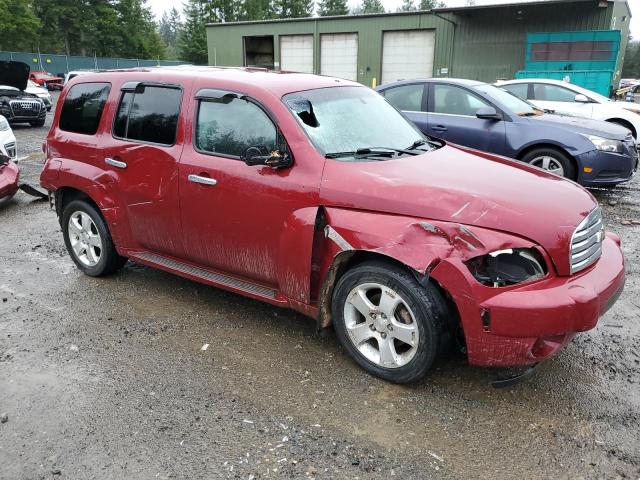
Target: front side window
[
  {"x": 83, "y": 106},
  {"x": 553, "y": 93},
  {"x": 520, "y": 90},
  {"x": 150, "y": 114},
  {"x": 347, "y": 119},
  {"x": 231, "y": 127},
  {"x": 453, "y": 100},
  {"x": 406, "y": 97}
]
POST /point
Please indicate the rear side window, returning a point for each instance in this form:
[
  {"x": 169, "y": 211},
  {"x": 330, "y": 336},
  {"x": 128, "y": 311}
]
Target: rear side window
[
  {"x": 406, "y": 97},
  {"x": 150, "y": 114},
  {"x": 232, "y": 127},
  {"x": 520, "y": 90},
  {"x": 83, "y": 107}
]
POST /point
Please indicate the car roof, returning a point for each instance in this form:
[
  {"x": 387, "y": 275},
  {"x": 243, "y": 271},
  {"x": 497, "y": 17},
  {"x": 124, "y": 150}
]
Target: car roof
[
  {"x": 277, "y": 82},
  {"x": 451, "y": 81},
  {"x": 536, "y": 80}
]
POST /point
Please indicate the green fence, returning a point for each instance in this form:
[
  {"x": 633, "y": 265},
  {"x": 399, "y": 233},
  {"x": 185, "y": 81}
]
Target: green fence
[{"x": 61, "y": 64}]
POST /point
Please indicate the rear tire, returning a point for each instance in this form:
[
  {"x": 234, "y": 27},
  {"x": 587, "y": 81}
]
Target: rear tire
[
  {"x": 88, "y": 240},
  {"x": 399, "y": 335},
  {"x": 552, "y": 160}
]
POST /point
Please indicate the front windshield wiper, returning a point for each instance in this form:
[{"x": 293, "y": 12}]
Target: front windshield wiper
[
  {"x": 420, "y": 142},
  {"x": 370, "y": 152}
]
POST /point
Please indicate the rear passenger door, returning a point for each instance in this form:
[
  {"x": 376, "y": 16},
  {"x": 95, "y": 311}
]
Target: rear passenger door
[
  {"x": 411, "y": 100},
  {"x": 141, "y": 153},
  {"x": 452, "y": 117}
]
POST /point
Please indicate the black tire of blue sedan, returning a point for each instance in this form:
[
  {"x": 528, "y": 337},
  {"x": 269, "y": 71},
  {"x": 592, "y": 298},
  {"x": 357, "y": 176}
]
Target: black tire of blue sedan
[
  {"x": 88, "y": 240},
  {"x": 389, "y": 323},
  {"x": 552, "y": 160}
]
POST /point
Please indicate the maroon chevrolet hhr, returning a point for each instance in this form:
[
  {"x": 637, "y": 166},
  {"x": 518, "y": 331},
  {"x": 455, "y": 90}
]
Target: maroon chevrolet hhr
[{"x": 314, "y": 193}]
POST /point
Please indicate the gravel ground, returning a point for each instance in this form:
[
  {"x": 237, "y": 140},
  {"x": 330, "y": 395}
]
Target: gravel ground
[{"x": 106, "y": 379}]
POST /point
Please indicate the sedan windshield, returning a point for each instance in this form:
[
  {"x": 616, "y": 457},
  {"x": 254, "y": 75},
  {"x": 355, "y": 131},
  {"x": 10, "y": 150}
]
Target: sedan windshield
[
  {"x": 510, "y": 101},
  {"x": 355, "y": 123}
]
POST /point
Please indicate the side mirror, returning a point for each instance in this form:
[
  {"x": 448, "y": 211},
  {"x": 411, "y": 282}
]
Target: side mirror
[
  {"x": 260, "y": 155},
  {"x": 580, "y": 98},
  {"x": 488, "y": 113}
]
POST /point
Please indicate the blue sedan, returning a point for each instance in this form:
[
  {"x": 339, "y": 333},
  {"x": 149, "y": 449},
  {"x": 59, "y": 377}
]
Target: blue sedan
[{"x": 481, "y": 116}]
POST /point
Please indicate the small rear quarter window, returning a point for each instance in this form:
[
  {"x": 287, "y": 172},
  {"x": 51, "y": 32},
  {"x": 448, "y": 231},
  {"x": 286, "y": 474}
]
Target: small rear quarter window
[{"x": 83, "y": 106}]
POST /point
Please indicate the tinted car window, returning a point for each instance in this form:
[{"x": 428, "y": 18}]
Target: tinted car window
[
  {"x": 230, "y": 128},
  {"x": 455, "y": 101},
  {"x": 553, "y": 93},
  {"x": 83, "y": 106},
  {"x": 149, "y": 116},
  {"x": 520, "y": 90},
  {"x": 406, "y": 97}
]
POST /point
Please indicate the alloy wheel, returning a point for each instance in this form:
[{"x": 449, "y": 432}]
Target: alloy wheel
[
  {"x": 85, "y": 239},
  {"x": 381, "y": 325},
  {"x": 548, "y": 163}
]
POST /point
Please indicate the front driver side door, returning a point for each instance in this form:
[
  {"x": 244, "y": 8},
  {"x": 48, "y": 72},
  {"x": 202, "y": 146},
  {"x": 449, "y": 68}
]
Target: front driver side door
[
  {"x": 452, "y": 117},
  {"x": 234, "y": 215}
]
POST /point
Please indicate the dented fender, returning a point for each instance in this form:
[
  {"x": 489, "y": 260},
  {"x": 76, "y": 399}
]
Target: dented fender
[{"x": 417, "y": 243}]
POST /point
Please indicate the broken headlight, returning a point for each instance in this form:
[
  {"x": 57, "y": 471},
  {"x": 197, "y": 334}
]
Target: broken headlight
[{"x": 508, "y": 267}]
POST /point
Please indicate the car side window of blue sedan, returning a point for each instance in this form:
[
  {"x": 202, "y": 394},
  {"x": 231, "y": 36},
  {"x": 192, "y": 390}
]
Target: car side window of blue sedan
[
  {"x": 406, "y": 97},
  {"x": 452, "y": 100}
]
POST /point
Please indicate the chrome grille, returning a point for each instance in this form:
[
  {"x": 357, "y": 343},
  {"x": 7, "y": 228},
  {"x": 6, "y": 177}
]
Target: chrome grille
[
  {"x": 586, "y": 242},
  {"x": 26, "y": 108},
  {"x": 10, "y": 148}
]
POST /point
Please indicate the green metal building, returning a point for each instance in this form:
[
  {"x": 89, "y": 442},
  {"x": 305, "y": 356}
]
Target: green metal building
[{"x": 480, "y": 42}]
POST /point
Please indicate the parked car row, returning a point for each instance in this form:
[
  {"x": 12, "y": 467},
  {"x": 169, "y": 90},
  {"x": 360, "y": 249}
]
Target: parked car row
[
  {"x": 502, "y": 121},
  {"x": 316, "y": 194}
]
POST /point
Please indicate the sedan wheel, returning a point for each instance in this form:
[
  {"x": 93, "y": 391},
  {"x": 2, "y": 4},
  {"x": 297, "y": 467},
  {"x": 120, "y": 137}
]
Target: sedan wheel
[
  {"x": 381, "y": 325},
  {"x": 85, "y": 239},
  {"x": 549, "y": 164}
]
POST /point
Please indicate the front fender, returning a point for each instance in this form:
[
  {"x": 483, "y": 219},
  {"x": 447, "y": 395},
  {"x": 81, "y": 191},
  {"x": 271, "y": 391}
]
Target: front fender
[{"x": 417, "y": 243}]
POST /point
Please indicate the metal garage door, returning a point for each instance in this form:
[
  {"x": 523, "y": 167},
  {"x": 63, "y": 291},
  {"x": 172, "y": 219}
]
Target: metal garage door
[
  {"x": 296, "y": 53},
  {"x": 407, "y": 55},
  {"x": 339, "y": 55}
]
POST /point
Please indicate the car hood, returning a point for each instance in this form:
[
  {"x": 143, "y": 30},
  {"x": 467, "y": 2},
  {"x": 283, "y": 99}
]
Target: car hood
[
  {"x": 14, "y": 74},
  {"x": 455, "y": 184},
  {"x": 584, "y": 126}
]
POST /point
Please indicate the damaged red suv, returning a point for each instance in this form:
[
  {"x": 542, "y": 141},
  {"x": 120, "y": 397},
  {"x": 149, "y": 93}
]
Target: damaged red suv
[{"x": 314, "y": 193}]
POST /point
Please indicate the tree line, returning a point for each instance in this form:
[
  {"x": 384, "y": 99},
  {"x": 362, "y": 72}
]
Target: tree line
[
  {"x": 127, "y": 28},
  {"x": 631, "y": 68}
]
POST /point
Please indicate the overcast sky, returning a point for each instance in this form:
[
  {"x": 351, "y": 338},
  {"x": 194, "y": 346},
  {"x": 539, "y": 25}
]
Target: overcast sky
[{"x": 159, "y": 6}]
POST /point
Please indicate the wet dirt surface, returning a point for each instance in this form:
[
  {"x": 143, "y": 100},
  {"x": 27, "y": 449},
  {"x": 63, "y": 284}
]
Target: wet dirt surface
[{"x": 106, "y": 378}]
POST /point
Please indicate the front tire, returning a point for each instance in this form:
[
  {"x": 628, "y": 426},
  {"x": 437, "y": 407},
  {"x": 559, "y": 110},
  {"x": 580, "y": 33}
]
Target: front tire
[
  {"x": 390, "y": 324},
  {"x": 552, "y": 160},
  {"x": 88, "y": 240}
]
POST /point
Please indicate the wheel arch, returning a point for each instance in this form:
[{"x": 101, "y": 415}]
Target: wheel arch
[
  {"x": 624, "y": 123},
  {"x": 529, "y": 148}
]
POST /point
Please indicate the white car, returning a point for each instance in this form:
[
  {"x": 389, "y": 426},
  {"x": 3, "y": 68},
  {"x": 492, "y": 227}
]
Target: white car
[
  {"x": 74, "y": 73},
  {"x": 7, "y": 140},
  {"x": 566, "y": 98},
  {"x": 34, "y": 89}
]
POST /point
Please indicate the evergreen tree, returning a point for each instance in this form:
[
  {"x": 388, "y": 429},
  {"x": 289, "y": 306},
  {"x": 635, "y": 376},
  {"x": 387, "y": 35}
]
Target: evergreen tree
[
  {"x": 407, "y": 6},
  {"x": 293, "y": 8},
  {"x": 192, "y": 37},
  {"x": 372, "y": 6},
  {"x": 431, "y": 4},
  {"x": 168, "y": 28},
  {"x": 332, "y": 7},
  {"x": 18, "y": 25},
  {"x": 256, "y": 10},
  {"x": 631, "y": 67}
]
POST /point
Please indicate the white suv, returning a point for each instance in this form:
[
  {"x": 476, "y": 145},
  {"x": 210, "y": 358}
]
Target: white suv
[
  {"x": 7, "y": 140},
  {"x": 566, "y": 98}
]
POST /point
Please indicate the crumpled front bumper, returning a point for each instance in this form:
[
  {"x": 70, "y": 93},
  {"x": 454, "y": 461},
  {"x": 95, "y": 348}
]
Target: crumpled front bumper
[
  {"x": 9, "y": 176},
  {"x": 526, "y": 324}
]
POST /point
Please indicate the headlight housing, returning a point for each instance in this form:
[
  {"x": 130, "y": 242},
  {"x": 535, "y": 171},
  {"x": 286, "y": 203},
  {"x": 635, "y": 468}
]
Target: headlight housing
[
  {"x": 4, "y": 125},
  {"x": 512, "y": 266},
  {"x": 606, "y": 144}
]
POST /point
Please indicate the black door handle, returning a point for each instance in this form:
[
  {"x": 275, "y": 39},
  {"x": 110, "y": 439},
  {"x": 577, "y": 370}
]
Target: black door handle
[{"x": 439, "y": 128}]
